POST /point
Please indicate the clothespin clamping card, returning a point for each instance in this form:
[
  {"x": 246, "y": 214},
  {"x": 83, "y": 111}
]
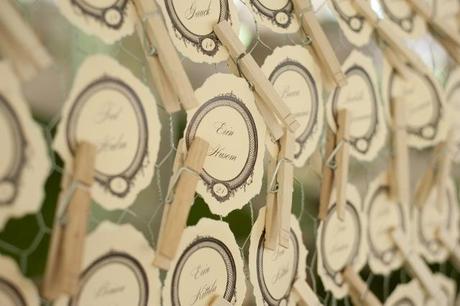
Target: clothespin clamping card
[
  {"x": 220, "y": 301},
  {"x": 179, "y": 201},
  {"x": 336, "y": 146},
  {"x": 359, "y": 290},
  {"x": 323, "y": 49},
  {"x": 171, "y": 80},
  {"x": 279, "y": 196},
  {"x": 306, "y": 295},
  {"x": 65, "y": 254},
  {"x": 20, "y": 44},
  {"x": 252, "y": 72}
]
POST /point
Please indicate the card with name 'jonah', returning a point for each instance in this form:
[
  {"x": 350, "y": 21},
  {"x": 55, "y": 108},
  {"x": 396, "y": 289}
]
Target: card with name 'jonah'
[{"x": 113, "y": 110}]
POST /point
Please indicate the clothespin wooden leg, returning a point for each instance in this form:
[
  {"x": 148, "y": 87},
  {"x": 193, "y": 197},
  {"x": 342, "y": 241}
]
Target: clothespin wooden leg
[
  {"x": 323, "y": 49},
  {"x": 328, "y": 175},
  {"x": 252, "y": 72},
  {"x": 442, "y": 177},
  {"x": 359, "y": 289},
  {"x": 220, "y": 301},
  {"x": 306, "y": 295},
  {"x": 67, "y": 249},
  {"x": 181, "y": 202},
  {"x": 272, "y": 211},
  {"x": 342, "y": 160},
  {"x": 452, "y": 245}
]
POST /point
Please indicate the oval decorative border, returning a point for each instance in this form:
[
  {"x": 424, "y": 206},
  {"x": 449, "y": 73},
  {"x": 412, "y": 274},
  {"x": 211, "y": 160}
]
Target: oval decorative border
[
  {"x": 224, "y": 252},
  {"x": 195, "y": 39},
  {"x": 13, "y": 292},
  {"x": 14, "y": 173},
  {"x": 109, "y": 83},
  {"x": 336, "y": 275},
  {"x": 268, "y": 298},
  {"x": 405, "y": 23},
  {"x": 228, "y": 100},
  {"x": 355, "y": 142},
  {"x": 274, "y": 15},
  {"x": 117, "y": 9},
  {"x": 354, "y": 22},
  {"x": 116, "y": 258},
  {"x": 291, "y": 65}
]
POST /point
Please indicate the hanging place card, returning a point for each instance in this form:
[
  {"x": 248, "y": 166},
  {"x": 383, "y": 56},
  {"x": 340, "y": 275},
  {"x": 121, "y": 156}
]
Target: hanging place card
[
  {"x": 278, "y": 16},
  {"x": 409, "y": 294},
  {"x": 24, "y": 164},
  {"x": 360, "y": 96},
  {"x": 453, "y": 101},
  {"x": 113, "y": 110},
  {"x": 229, "y": 120},
  {"x": 355, "y": 27},
  {"x": 109, "y": 20},
  {"x": 296, "y": 77},
  {"x": 208, "y": 266},
  {"x": 341, "y": 243},
  {"x": 191, "y": 27},
  {"x": 15, "y": 289},
  {"x": 117, "y": 270},
  {"x": 405, "y": 21}
]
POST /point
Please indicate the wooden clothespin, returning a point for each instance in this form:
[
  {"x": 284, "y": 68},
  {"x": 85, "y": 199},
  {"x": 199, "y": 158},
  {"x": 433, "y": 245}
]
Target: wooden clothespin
[
  {"x": 220, "y": 301},
  {"x": 451, "y": 245},
  {"x": 20, "y": 44},
  {"x": 252, "y": 72},
  {"x": 323, "y": 49},
  {"x": 170, "y": 78},
  {"x": 179, "y": 201},
  {"x": 279, "y": 196},
  {"x": 359, "y": 290},
  {"x": 443, "y": 171},
  {"x": 417, "y": 267},
  {"x": 336, "y": 146},
  {"x": 384, "y": 30},
  {"x": 306, "y": 295},
  {"x": 67, "y": 243}
]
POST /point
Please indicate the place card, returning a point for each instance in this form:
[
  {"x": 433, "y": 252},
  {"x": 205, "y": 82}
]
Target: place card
[
  {"x": 409, "y": 294},
  {"x": 109, "y": 20},
  {"x": 24, "y": 162},
  {"x": 357, "y": 30},
  {"x": 274, "y": 272},
  {"x": 228, "y": 119},
  {"x": 117, "y": 270},
  {"x": 368, "y": 129},
  {"x": 279, "y": 16},
  {"x": 384, "y": 214},
  {"x": 448, "y": 288},
  {"x": 110, "y": 108},
  {"x": 341, "y": 243},
  {"x": 453, "y": 101},
  {"x": 208, "y": 265},
  {"x": 15, "y": 289},
  {"x": 447, "y": 11},
  {"x": 297, "y": 78},
  {"x": 425, "y": 108},
  {"x": 404, "y": 19},
  {"x": 432, "y": 217},
  {"x": 191, "y": 27}
]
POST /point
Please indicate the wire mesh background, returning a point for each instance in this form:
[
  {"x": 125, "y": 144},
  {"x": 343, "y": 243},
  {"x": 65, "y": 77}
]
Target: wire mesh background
[{"x": 26, "y": 239}]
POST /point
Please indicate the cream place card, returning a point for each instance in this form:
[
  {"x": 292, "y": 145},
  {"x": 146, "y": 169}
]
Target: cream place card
[
  {"x": 296, "y": 77},
  {"x": 425, "y": 105},
  {"x": 117, "y": 270},
  {"x": 24, "y": 162},
  {"x": 341, "y": 243},
  {"x": 15, "y": 289},
  {"x": 228, "y": 119},
  {"x": 191, "y": 27},
  {"x": 448, "y": 288},
  {"x": 409, "y": 294},
  {"x": 404, "y": 19},
  {"x": 273, "y": 272},
  {"x": 110, "y": 108},
  {"x": 277, "y": 15},
  {"x": 453, "y": 101},
  {"x": 368, "y": 129},
  {"x": 110, "y": 20},
  {"x": 355, "y": 27},
  {"x": 383, "y": 215},
  {"x": 433, "y": 216},
  {"x": 208, "y": 265}
]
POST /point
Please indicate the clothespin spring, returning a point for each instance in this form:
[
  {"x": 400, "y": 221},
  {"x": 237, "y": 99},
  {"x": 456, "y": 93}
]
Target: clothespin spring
[
  {"x": 151, "y": 49},
  {"x": 273, "y": 184},
  {"x": 240, "y": 72},
  {"x": 67, "y": 198},
  {"x": 330, "y": 161},
  {"x": 170, "y": 195}
]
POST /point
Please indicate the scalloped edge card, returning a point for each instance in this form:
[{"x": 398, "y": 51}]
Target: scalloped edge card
[
  {"x": 297, "y": 78},
  {"x": 361, "y": 96},
  {"x": 117, "y": 269},
  {"x": 110, "y": 21},
  {"x": 228, "y": 119},
  {"x": 341, "y": 243},
  {"x": 109, "y": 107},
  {"x": 207, "y": 265},
  {"x": 15, "y": 289},
  {"x": 25, "y": 163},
  {"x": 190, "y": 25},
  {"x": 279, "y": 16}
]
